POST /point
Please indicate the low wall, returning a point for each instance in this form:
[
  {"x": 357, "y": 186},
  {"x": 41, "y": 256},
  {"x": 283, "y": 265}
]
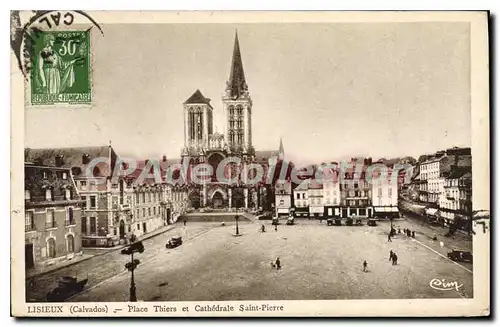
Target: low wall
[{"x": 217, "y": 217}]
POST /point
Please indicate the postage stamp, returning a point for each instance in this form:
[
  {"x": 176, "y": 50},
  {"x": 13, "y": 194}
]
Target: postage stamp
[
  {"x": 61, "y": 71},
  {"x": 250, "y": 164}
]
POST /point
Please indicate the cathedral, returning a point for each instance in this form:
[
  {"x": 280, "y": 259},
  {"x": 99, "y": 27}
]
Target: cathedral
[{"x": 203, "y": 145}]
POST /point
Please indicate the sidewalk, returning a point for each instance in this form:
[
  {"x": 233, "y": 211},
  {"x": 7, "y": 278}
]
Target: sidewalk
[{"x": 86, "y": 255}]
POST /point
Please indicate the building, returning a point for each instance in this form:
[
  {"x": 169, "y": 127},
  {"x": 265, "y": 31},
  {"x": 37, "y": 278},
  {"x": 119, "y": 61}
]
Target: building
[
  {"x": 331, "y": 195},
  {"x": 356, "y": 193},
  {"x": 435, "y": 168},
  {"x": 385, "y": 195},
  {"x": 52, "y": 222},
  {"x": 301, "y": 199},
  {"x": 455, "y": 203},
  {"x": 283, "y": 201},
  {"x": 315, "y": 199},
  {"x": 92, "y": 169}
]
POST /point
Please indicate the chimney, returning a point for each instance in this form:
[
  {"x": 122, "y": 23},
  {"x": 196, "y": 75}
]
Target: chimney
[{"x": 164, "y": 158}]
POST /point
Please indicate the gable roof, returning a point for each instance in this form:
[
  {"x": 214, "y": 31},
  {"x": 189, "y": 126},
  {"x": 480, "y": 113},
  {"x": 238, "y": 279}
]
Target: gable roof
[{"x": 73, "y": 157}]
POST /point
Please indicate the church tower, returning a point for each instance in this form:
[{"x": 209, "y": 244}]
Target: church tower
[
  {"x": 198, "y": 124},
  {"x": 238, "y": 108}
]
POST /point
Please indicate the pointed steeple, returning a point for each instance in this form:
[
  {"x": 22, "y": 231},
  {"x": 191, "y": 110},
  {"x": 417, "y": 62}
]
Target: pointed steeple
[
  {"x": 236, "y": 86},
  {"x": 281, "y": 151}
]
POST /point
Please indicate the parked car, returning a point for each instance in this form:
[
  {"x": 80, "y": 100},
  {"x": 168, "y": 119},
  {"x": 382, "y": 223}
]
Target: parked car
[
  {"x": 338, "y": 221},
  {"x": 349, "y": 221},
  {"x": 67, "y": 286},
  {"x": 372, "y": 222},
  {"x": 290, "y": 221},
  {"x": 460, "y": 255},
  {"x": 276, "y": 221},
  {"x": 329, "y": 222},
  {"x": 359, "y": 222},
  {"x": 174, "y": 242}
]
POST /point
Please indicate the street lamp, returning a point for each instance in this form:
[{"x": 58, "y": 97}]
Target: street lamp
[
  {"x": 237, "y": 228},
  {"x": 130, "y": 266}
]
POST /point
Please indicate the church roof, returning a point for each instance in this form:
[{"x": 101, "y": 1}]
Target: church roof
[
  {"x": 197, "y": 98},
  {"x": 236, "y": 84}
]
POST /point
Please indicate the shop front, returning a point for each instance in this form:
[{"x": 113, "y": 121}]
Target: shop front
[{"x": 386, "y": 212}]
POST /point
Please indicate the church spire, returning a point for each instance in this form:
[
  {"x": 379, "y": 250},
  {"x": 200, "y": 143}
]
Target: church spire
[
  {"x": 236, "y": 86},
  {"x": 281, "y": 151}
]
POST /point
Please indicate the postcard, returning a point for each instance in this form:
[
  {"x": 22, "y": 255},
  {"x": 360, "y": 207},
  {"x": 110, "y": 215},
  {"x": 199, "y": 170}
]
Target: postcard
[{"x": 250, "y": 164}]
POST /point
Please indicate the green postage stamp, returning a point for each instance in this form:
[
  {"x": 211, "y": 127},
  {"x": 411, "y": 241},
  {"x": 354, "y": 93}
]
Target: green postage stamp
[{"x": 61, "y": 68}]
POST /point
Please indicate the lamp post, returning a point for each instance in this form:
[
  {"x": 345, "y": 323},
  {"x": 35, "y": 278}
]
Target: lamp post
[
  {"x": 237, "y": 227},
  {"x": 137, "y": 247}
]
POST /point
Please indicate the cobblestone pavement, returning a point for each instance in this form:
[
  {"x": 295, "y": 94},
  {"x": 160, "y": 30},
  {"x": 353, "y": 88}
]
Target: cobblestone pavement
[
  {"x": 103, "y": 267},
  {"x": 319, "y": 262}
]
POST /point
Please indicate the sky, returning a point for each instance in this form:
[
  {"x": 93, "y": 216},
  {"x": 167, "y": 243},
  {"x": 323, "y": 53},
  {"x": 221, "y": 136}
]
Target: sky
[{"x": 331, "y": 91}]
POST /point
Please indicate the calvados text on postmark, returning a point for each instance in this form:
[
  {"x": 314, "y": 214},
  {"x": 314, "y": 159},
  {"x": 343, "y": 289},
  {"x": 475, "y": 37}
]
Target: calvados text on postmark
[{"x": 61, "y": 71}]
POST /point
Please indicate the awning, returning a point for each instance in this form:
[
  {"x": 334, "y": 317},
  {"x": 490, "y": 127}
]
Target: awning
[
  {"x": 386, "y": 209},
  {"x": 283, "y": 210},
  {"x": 431, "y": 211}
]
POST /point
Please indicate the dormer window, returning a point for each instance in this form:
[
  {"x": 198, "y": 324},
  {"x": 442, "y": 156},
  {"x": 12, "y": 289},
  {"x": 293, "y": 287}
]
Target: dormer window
[
  {"x": 44, "y": 174},
  {"x": 85, "y": 159},
  {"x": 64, "y": 175},
  {"x": 59, "y": 160},
  {"x": 27, "y": 195}
]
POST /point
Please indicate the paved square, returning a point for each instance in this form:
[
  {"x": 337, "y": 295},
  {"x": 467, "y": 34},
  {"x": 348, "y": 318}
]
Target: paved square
[{"x": 319, "y": 262}]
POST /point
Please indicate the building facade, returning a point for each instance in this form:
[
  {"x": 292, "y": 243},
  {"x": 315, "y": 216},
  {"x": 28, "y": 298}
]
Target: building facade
[
  {"x": 52, "y": 215},
  {"x": 227, "y": 187}
]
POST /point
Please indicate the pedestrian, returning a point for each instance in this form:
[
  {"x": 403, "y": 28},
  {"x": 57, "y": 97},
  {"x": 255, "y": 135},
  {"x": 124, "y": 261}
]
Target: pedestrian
[
  {"x": 275, "y": 227},
  {"x": 399, "y": 230},
  {"x": 413, "y": 234},
  {"x": 389, "y": 237},
  {"x": 263, "y": 228},
  {"x": 365, "y": 265},
  {"x": 278, "y": 263},
  {"x": 391, "y": 254},
  {"x": 394, "y": 259},
  {"x": 184, "y": 222}
]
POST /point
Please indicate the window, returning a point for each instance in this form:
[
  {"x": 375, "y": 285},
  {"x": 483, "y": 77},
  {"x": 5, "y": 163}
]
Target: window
[
  {"x": 144, "y": 212},
  {"x": 68, "y": 194},
  {"x": 64, "y": 175},
  {"x": 390, "y": 192},
  {"x": 137, "y": 213},
  {"x": 84, "y": 199},
  {"x": 70, "y": 243},
  {"x": 44, "y": 175},
  {"x": 93, "y": 202},
  {"x": 149, "y": 197},
  {"x": 29, "y": 224},
  {"x": 139, "y": 227},
  {"x": 83, "y": 185},
  {"x": 379, "y": 191},
  {"x": 93, "y": 225},
  {"x": 137, "y": 198},
  {"x": 48, "y": 194},
  {"x": 49, "y": 219},
  {"x": 27, "y": 195},
  {"x": 154, "y": 211},
  {"x": 149, "y": 211},
  {"x": 92, "y": 185},
  {"x": 143, "y": 197},
  {"x": 84, "y": 225}
]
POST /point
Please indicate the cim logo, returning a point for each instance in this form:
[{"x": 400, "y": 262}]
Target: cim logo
[{"x": 443, "y": 285}]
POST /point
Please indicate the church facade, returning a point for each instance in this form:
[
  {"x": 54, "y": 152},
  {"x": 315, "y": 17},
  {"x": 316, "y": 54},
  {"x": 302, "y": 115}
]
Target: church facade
[{"x": 204, "y": 146}]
